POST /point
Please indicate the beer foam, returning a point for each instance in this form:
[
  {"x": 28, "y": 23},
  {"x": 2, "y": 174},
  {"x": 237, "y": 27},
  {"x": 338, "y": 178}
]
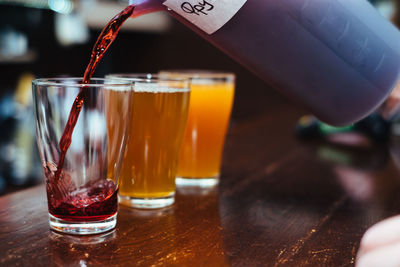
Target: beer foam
[
  {"x": 157, "y": 88},
  {"x": 116, "y": 87},
  {"x": 207, "y": 81}
]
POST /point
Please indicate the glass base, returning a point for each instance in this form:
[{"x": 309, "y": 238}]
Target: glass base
[
  {"x": 82, "y": 228},
  {"x": 147, "y": 203},
  {"x": 197, "y": 182}
]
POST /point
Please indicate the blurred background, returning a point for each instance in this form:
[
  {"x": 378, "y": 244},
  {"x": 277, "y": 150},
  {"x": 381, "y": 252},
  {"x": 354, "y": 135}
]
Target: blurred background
[{"x": 48, "y": 38}]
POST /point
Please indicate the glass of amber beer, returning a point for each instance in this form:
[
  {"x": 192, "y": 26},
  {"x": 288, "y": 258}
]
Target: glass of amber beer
[
  {"x": 158, "y": 121},
  {"x": 210, "y": 107}
]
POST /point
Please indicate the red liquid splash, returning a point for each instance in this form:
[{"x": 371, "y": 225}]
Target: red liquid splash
[{"x": 93, "y": 202}]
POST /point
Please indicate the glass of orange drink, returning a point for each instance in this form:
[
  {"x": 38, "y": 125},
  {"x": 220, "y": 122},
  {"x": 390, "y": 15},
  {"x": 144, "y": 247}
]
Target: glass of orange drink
[{"x": 210, "y": 107}]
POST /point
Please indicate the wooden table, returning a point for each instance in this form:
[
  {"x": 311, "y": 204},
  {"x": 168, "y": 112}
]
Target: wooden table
[{"x": 280, "y": 202}]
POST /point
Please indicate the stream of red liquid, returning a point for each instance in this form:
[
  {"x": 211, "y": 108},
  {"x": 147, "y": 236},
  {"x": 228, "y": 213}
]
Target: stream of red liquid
[{"x": 98, "y": 201}]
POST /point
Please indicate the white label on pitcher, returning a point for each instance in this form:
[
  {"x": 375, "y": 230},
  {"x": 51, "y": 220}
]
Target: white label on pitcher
[{"x": 208, "y": 15}]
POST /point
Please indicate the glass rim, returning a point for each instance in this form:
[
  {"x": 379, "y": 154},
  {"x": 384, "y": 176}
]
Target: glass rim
[
  {"x": 199, "y": 73},
  {"x": 62, "y": 82},
  {"x": 144, "y": 77}
]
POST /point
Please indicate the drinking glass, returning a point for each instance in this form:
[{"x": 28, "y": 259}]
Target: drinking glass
[
  {"x": 210, "y": 108},
  {"x": 159, "y": 114},
  {"x": 82, "y": 191}
]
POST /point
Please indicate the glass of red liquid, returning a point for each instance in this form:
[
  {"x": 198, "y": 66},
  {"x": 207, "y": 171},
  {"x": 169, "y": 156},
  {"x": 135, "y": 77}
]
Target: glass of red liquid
[{"x": 82, "y": 162}]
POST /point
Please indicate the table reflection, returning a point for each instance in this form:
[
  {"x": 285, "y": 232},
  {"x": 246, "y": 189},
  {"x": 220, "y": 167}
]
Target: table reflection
[
  {"x": 368, "y": 172},
  {"x": 70, "y": 250}
]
